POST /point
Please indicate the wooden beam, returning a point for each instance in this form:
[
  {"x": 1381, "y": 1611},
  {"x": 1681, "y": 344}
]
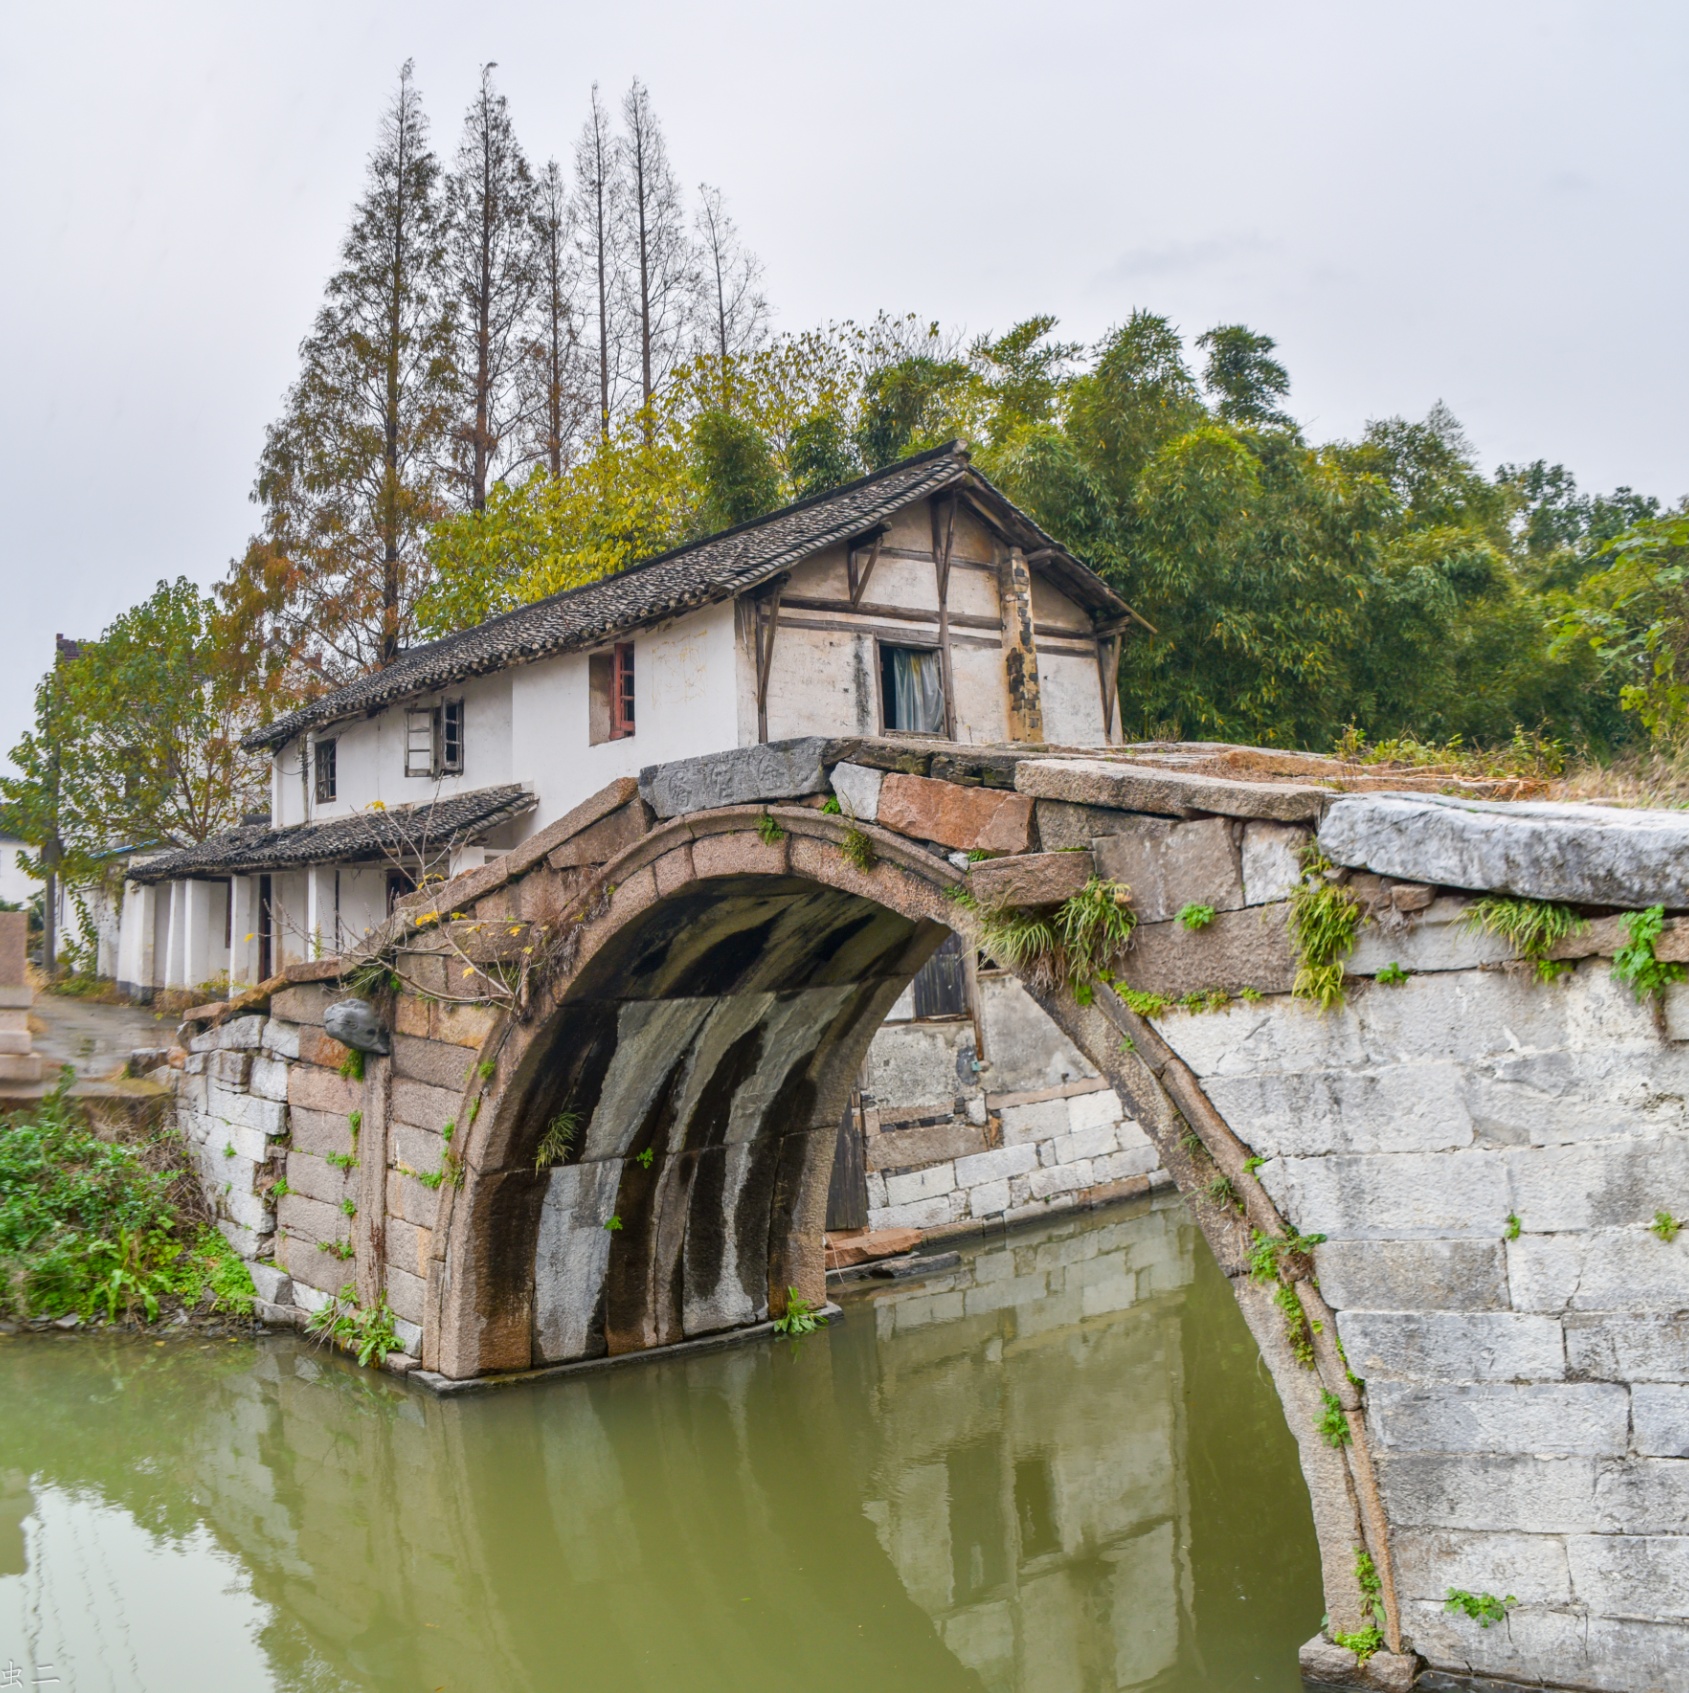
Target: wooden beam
[
  {"x": 1108, "y": 674},
  {"x": 859, "y": 584},
  {"x": 941, "y": 563},
  {"x": 765, "y": 612}
]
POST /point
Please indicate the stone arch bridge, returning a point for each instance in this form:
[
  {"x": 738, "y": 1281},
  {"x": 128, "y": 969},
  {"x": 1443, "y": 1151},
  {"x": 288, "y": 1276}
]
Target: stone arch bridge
[{"x": 607, "y": 1118}]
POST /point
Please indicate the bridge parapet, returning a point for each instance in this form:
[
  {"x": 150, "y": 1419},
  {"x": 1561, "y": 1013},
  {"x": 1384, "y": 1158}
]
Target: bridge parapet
[{"x": 1449, "y": 1186}]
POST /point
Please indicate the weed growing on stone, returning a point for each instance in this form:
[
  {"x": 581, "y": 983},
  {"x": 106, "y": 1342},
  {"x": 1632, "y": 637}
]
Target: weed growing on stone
[
  {"x": 1145, "y": 1004},
  {"x": 1271, "y": 1256},
  {"x": 1252, "y": 1164},
  {"x": 1325, "y": 918},
  {"x": 830, "y": 806},
  {"x": 1532, "y": 927},
  {"x": 1364, "y": 1642},
  {"x": 858, "y": 849},
  {"x": 558, "y": 1141},
  {"x": 341, "y": 1249},
  {"x": 800, "y": 1317},
  {"x": 352, "y": 1065},
  {"x": 1250, "y": 996},
  {"x": 1296, "y": 1330},
  {"x": 349, "y": 1207},
  {"x": 430, "y": 1179},
  {"x": 612, "y": 1224},
  {"x": 1634, "y": 963},
  {"x": 1194, "y": 916},
  {"x": 229, "y": 1149},
  {"x": 645, "y": 1159},
  {"x": 487, "y": 1070},
  {"x": 1391, "y": 976},
  {"x": 1205, "y": 999},
  {"x": 370, "y": 1334},
  {"x": 448, "y": 1130},
  {"x": 1666, "y": 1226},
  {"x": 355, "y": 1121},
  {"x": 1331, "y": 1424},
  {"x": 1221, "y": 1192},
  {"x": 340, "y": 1160},
  {"x": 1482, "y": 1608},
  {"x": 1513, "y": 1226},
  {"x": 769, "y": 832}
]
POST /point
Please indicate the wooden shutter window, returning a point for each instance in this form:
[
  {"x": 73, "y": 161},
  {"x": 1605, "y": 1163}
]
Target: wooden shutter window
[
  {"x": 621, "y": 691},
  {"x": 451, "y": 738},
  {"x": 327, "y": 786},
  {"x": 419, "y": 742}
]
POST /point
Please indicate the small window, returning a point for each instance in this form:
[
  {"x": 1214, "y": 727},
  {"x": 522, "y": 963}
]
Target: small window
[
  {"x": 324, "y": 762},
  {"x": 451, "y": 738},
  {"x": 610, "y": 694},
  {"x": 419, "y": 742},
  {"x": 912, "y": 690},
  {"x": 941, "y": 984}
]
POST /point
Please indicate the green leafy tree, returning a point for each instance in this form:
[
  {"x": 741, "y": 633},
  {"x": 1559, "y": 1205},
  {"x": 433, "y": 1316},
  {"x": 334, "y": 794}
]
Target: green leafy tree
[
  {"x": 735, "y": 468},
  {"x": 1246, "y": 381}
]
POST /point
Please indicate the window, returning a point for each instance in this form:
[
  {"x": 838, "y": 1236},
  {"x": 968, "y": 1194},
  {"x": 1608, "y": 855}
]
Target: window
[
  {"x": 912, "y": 690},
  {"x": 434, "y": 740},
  {"x": 324, "y": 762},
  {"x": 610, "y": 694},
  {"x": 451, "y": 738},
  {"x": 941, "y": 984}
]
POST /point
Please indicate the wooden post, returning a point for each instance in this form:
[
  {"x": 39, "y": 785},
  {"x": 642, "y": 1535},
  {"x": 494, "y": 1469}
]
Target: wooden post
[
  {"x": 941, "y": 563},
  {"x": 1108, "y": 675},
  {"x": 859, "y": 584},
  {"x": 765, "y": 610},
  {"x": 1020, "y": 653}
]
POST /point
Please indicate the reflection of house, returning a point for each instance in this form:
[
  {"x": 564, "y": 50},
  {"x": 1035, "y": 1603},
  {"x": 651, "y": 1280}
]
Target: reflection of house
[
  {"x": 917, "y": 601},
  {"x": 1050, "y": 1547}
]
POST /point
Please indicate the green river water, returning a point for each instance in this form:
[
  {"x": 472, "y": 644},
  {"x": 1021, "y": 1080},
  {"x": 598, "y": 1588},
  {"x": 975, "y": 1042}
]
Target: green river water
[{"x": 1056, "y": 1469}]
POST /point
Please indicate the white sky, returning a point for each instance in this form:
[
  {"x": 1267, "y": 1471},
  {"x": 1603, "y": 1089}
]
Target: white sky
[{"x": 1480, "y": 202}]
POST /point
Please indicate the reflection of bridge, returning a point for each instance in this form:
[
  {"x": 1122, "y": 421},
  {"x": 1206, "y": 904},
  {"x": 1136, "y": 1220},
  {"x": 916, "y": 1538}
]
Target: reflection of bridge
[
  {"x": 682, "y": 981},
  {"x": 980, "y": 1480}
]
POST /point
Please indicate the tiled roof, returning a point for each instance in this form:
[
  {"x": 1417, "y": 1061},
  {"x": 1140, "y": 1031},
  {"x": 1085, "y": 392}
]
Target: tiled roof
[
  {"x": 715, "y": 568},
  {"x": 401, "y": 835}
]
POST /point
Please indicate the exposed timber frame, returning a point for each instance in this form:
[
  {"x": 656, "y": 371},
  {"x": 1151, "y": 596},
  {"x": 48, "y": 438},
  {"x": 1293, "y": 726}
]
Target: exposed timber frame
[
  {"x": 941, "y": 564},
  {"x": 765, "y": 615}
]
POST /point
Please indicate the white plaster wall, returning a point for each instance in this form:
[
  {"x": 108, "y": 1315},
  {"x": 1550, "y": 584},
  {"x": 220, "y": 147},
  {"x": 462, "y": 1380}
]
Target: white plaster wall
[
  {"x": 1073, "y": 700},
  {"x": 16, "y": 883}
]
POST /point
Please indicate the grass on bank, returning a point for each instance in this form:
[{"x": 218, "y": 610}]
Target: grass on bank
[{"x": 98, "y": 1228}]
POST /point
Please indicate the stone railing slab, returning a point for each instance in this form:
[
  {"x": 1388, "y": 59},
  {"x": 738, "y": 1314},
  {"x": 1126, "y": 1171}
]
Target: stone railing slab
[
  {"x": 774, "y": 771},
  {"x": 1167, "y": 793},
  {"x": 1585, "y": 854}
]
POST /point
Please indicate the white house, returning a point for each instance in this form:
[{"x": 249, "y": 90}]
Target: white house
[{"x": 915, "y": 601}]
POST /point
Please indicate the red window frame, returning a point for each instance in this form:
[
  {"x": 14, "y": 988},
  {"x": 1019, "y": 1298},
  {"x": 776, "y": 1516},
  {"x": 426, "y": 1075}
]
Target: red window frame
[{"x": 621, "y": 691}]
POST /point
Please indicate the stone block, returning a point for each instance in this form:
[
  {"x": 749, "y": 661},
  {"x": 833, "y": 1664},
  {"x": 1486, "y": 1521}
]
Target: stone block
[
  {"x": 1452, "y": 1346},
  {"x": 989, "y": 1199},
  {"x": 246, "y": 1209},
  {"x": 14, "y": 948},
  {"x": 1418, "y": 1107},
  {"x": 1532, "y": 1567},
  {"x": 273, "y": 1283},
  {"x": 1271, "y": 861},
  {"x": 1166, "y": 793},
  {"x": 1479, "y": 1491},
  {"x": 916, "y": 1185},
  {"x": 314, "y": 1178},
  {"x": 1028, "y": 1124},
  {"x": 775, "y": 770},
  {"x": 904, "y": 1149},
  {"x": 440, "y": 1064},
  {"x": 323, "y": 1090},
  {"x": 1568, "y": 1418},
  {"x": 281, "y": 1039},
  {"x": 305, "y": 1002},
  {"x": 1615, "y": 1347},
  {"x": 997, "y": 1165},
  {"x": 422, "y": 1106},
  {"x": 1614, "y": 1184},
  {"x": 1039, "y": 878},
  {"x": 1618, "y": 1573},
  {"x": 1170, "y": 865},
  {"x": 314, "y": 1220},
  {"x": 858, "y": 790},
  {"x": 419, "y": 1150},
  {"x": 408, "y": 1246},
  {"x": 1659, "y": 1416},
  {"x": 1584, "y": 854},
  {"x": 962, "y": 818},
  {"x": 1061, "y": 825},
  {"x": 599, "y": 842},
  {"x": 408, "y": 1198},
  {"x": 1098, "y": 1110},
  {"x": 320, "y": 1131},
  {"x": 1400, "y": 1196},
  {"x": 407, "y": 1295},
  {"x": 1050, "y": 1181},
  {"x": 922, "y": 1214},
  {"x": 269, "y": 1079},
  {"x": 231, "y": 1069},
  {"x": 1438, "y": 939},
  {"x": 1129, "y": 1162},
  {"x": 464, "y": 1025},
  {"x": 1413, "y": 1275},
  {"x": 1248, "y": 948},
  {"x": 1643, "y": 1496}
]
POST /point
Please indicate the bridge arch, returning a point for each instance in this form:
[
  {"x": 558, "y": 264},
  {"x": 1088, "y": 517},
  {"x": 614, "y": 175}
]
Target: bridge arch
[{"x": 716, "y": 988}]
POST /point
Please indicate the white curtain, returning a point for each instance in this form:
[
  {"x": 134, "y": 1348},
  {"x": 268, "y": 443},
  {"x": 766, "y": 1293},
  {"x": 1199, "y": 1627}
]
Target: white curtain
[{"x": 917, "y": 692}]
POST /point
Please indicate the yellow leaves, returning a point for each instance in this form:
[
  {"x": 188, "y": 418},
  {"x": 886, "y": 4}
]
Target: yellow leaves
[{"x": 376, "y": 805}]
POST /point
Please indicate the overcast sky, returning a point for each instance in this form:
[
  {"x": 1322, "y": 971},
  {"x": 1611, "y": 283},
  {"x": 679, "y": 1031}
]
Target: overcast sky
[{"x": 1481, "y": 202}]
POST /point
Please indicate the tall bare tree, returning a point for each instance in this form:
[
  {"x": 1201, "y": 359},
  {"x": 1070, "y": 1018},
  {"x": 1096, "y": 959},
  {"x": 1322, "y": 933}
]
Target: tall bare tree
[
  {"x": 493, "y": 275},
  {"x": 355, "y": 469},
  {"x": 661, "y": 267},
  {"x": 732, "y": 310},
  {"x": 557, "y": 401},
  {"x": 597, "y": 199}
]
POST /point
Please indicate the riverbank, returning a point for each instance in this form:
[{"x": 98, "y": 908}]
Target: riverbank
[{"x": 105, "y": 1224}]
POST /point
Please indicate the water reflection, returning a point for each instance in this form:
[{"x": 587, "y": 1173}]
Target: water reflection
[{"x": 1057, "y": 1467}]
